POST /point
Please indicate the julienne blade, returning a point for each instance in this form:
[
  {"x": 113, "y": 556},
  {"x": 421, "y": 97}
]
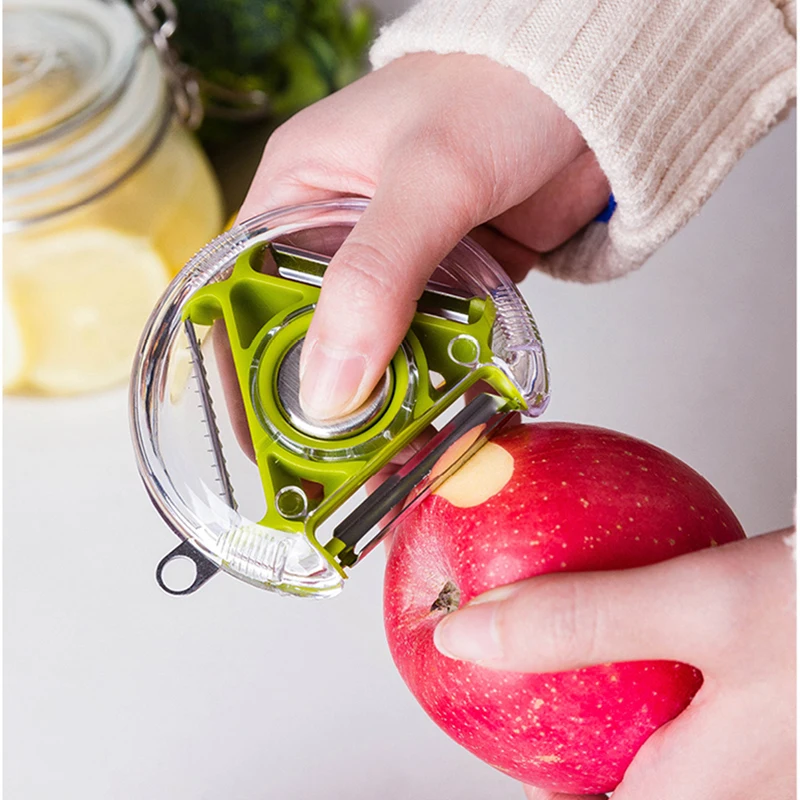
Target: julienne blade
[{"x": 209, "y": 417}]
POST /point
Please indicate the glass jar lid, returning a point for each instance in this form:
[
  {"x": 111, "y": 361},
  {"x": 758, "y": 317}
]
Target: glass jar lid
[
  {"x": 83, "y": 99},
  {"x": 62, "y": 62}
]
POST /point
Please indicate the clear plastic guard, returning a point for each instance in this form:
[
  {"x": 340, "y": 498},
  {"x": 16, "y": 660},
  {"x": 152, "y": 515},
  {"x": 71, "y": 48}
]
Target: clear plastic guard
[{"x": 195, "y": 464}]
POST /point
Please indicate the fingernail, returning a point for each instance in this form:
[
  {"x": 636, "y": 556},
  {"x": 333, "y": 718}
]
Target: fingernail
[
  {"x": 495, "y": 595},
  {"x": 329, "y": 380},
  {"x": 470, "y": 634},
  {"x": 305, "y": 353}
]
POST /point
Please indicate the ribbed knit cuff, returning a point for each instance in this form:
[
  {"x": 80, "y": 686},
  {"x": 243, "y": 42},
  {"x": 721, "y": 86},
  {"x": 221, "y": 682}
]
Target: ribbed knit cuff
[{"x": 667, "y": 93}]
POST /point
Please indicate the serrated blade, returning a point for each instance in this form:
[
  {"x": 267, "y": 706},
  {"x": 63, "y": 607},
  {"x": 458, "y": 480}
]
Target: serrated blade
[{"x": 206, "y": 407}]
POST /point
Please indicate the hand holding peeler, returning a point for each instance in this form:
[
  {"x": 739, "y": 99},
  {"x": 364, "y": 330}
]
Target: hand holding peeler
[{"x": 251, "y": 484}]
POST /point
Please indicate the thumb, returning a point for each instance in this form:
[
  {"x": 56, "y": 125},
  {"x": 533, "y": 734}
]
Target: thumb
[
  {"x": 372, "y": 284},
  {"x": 683, "y": 609}
]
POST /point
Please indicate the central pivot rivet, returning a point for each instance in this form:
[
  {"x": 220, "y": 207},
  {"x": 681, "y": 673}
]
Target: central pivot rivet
[{"x": 289, "y": 399}]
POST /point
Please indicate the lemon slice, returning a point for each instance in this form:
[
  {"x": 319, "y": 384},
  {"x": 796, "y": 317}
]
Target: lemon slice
[
  {"x": 197, "y": 219},
  {"x": 13, "y": 350},
  {"x": 82, "y": 298}
]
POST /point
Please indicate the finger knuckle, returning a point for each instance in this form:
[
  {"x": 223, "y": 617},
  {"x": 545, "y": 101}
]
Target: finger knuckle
[
  {"x": 549, "y": 627},
  {"x": 570, "y": 623},
  {"x": 727, "y": 606},
  {"x": 449, "y": 161},
  {"x": 365, "y": 273},
  {"x": 295, "y": 145},
  {"x": 542, "y": 239},
  {"x": 281, "y": 139},
  {"x": 716, "y": 609}
]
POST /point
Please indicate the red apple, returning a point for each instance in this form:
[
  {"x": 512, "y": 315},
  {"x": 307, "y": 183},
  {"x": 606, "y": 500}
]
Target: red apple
[{"x": 539, "y": 498}]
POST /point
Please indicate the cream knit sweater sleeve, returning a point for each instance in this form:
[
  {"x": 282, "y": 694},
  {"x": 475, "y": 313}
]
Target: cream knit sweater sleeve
[{"x": 667, "y": 93}]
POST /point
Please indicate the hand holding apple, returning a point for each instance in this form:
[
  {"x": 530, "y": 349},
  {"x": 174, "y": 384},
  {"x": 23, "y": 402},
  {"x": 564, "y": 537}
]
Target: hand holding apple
[
  {"x": 564, "y": 677},
  {"x": 728, "y": 610}
]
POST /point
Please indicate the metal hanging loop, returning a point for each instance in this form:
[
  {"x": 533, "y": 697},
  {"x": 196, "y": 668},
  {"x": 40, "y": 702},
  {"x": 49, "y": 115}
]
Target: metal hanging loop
[{"x": 160, "y": 20}]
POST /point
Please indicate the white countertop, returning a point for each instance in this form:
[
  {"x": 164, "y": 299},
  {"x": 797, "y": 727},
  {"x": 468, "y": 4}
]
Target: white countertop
[{"x": 116, "y": 690}]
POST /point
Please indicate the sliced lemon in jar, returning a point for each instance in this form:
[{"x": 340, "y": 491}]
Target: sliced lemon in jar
[
  {"x": 82, "y": 298},
  {"x": 13, "y": 350}
]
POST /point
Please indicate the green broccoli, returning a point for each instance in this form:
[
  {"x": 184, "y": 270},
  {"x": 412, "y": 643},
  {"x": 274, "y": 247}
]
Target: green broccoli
[{"x": 294, "y": 52}]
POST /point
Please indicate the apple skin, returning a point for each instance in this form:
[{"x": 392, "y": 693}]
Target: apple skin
[{"x": 570, "y": 498}]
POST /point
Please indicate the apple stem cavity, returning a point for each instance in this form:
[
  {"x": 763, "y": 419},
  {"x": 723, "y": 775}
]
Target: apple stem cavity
[{"x": 449, "y": 599}]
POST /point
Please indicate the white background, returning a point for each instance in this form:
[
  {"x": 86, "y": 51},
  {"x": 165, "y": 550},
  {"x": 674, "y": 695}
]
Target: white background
[{"x": 116, "y": 690}]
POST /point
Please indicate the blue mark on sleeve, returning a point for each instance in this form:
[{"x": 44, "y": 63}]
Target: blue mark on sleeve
[{"x": 606, "y": 214}]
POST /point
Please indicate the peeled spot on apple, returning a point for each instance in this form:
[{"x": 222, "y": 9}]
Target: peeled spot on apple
[
  {"x": 541, "y": 498},
  {"x": 482, "y": 477}
]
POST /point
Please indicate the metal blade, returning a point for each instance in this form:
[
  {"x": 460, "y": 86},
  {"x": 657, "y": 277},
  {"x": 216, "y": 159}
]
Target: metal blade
[
  {"x": 209, "y": 418},
  {"x": 417, "y": 477},
  {"x": 306, "y": 267}
]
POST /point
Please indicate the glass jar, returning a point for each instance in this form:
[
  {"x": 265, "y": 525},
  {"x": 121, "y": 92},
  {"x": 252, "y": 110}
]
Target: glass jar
[{"x": 106, "y": 193}]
